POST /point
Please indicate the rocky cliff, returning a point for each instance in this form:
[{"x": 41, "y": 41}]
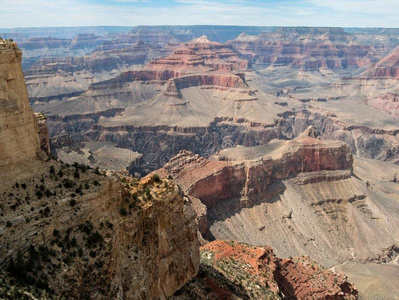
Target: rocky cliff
[
  {"x": 252, "y": 171},
  {"x": 19, "y": 142},
  {"x": 239, "y": 271},
  {"x": 298, "y": 196}
]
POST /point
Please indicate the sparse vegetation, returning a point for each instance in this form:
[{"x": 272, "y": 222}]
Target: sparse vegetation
[{"x": 156, "y": 178}]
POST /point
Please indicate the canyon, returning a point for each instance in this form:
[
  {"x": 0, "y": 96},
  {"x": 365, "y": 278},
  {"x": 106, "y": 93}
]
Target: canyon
[
  {"x": 78, "y": 232},
  {"x": 242, "y": 136},
  {"x": 154, "y": 83}
]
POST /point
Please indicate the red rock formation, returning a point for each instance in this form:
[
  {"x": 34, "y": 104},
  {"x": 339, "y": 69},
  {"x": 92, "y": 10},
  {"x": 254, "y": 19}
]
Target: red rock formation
[
  {"x": 247, "y": 172},
  {"x": 260, "y": 274},
  {"x": 199, "y": 62}
]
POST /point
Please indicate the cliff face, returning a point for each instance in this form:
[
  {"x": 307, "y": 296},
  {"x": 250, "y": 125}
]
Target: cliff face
[
  {"x": 19, "y": 141},
  {"x": 130, "y": 247},
  {"x": 163, "y": 240},
  {"x": 250, "y": 171}
]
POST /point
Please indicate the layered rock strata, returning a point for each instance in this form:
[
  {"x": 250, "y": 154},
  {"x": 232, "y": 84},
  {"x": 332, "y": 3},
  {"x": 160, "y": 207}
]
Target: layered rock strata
[
  {"x": 300, "y": 197},
  {"x": 306, "y": 48}
]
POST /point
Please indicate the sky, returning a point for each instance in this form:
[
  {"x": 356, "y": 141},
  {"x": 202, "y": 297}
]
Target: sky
[{"x": 59, "y": 13}]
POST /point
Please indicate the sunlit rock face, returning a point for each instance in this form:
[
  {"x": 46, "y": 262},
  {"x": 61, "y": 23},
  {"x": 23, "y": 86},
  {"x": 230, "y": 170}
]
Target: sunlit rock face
[{"x": 19, "y": 141}]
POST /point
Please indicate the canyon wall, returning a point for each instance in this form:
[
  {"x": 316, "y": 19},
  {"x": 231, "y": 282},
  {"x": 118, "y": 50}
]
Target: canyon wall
[
  {"x": 250, "y": 171},
  {"x": 304, "y": 196},
  {"x": 19, "y": 141}
]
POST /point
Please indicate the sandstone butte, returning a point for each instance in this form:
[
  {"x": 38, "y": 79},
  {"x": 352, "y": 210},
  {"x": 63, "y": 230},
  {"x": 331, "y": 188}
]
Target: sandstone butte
[
  {"x": 77, "y": 232},
  {"x": 199, "y": 62}
]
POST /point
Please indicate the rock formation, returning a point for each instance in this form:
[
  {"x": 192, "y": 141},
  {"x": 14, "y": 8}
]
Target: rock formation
[
  {"x": 240, "y": 271},
  {"x": 66, "y": 77},
  {"x": 386, "y": 68},
  {"x": 387, "y": 103},
  {"x": 307, "y": 48},
  {"x": 41, "y": 121},
  {"x": 298, "y": 196},
  {"x": 19, "y": 141}
]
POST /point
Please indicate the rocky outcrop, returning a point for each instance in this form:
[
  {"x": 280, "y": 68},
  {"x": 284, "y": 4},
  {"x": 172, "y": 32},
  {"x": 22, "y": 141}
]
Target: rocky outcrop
[
  {"x": 44, "y": 138},
  {"x": 240, "y": 271},
  {"x": 19, "y": 141},
  {"x": 135, "y": 246},
  {"x": 387, "y": 103}
]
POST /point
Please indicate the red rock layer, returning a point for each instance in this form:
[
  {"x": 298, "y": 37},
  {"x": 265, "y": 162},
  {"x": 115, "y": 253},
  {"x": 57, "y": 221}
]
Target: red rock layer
[
  {"x": 213, "y": 181},
  {"x": 296, "y": 278},
  {"x": 196, "y": 63}
]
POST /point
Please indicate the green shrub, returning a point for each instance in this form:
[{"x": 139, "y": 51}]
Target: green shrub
[
  {"x": 72, "y": 202},
  {"x": 156, "y": 178}
]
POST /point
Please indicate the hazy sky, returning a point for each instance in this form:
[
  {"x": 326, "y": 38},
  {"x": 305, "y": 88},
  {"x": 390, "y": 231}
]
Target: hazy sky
[{"x": 346, "y": 13}]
